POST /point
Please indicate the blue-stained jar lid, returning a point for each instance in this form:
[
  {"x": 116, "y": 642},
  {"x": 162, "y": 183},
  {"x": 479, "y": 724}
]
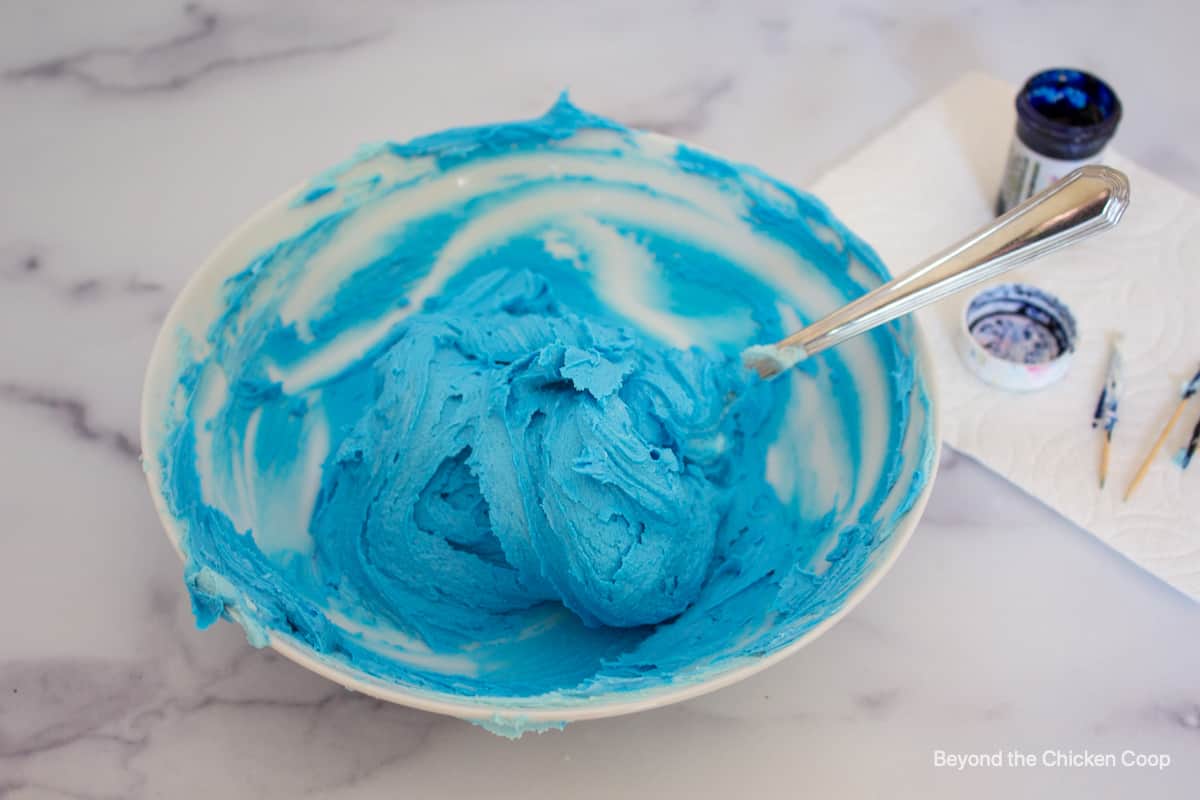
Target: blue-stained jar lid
[
  {"x": 1067, "y": 114},
  {"x": 1018, "y": 337}
]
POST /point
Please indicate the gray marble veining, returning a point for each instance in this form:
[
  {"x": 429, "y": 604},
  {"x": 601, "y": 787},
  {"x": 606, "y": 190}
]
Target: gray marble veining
[
  {"x": 206, "y": 44},
  {"x": 73, "y": 414},
  {"x": 135, "y": 136}
]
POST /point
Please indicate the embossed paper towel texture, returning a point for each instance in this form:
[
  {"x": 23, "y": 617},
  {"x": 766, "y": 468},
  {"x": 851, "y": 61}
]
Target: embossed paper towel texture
[{"x": 931, "y": 179}]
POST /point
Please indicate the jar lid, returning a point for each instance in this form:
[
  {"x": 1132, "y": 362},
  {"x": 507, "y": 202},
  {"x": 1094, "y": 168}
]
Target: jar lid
[{"x": 1018, "y": 337}]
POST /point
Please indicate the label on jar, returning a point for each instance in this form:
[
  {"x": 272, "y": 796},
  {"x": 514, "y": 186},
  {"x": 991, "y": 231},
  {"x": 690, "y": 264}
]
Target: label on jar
[{"x": 1028, "y": 172}]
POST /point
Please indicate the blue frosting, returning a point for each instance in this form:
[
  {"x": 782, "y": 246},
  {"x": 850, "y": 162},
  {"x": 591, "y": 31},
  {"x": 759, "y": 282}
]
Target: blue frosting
[
  {"x": 515, "y": 453},
  {"x": 468, "y": 461}
]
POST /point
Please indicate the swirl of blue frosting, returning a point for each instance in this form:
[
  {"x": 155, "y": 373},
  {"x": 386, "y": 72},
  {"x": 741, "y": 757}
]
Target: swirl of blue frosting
[
  {"x": 471, "y": 421},
  {"x": 516, "y": 453}
]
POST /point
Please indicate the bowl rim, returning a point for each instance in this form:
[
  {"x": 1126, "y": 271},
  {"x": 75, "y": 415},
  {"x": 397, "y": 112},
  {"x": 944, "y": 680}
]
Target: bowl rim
[{"x": 492, "y": 709}]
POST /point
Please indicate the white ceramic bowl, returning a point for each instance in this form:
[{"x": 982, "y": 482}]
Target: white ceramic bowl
[{"x": 196, "y": 308}]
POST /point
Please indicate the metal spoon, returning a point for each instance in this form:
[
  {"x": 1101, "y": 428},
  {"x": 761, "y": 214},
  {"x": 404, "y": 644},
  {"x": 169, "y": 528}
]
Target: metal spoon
[{"x": 1088, "y": 200}]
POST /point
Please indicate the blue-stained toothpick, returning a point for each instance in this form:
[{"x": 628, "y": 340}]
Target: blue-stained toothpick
[
  {"x": 1189, "y": 449},
  {"x": 1190, "y": 388},
  {"x": 1106, "y": 407}
]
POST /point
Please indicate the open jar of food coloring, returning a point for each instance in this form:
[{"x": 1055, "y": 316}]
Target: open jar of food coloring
[{"x": 1065, "y": 118}]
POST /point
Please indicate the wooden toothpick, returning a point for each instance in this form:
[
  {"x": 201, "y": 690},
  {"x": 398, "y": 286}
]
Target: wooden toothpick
[
  {"x": 1189, "y": 449},
  {"x": 1190, "y": 388},
  {"x": 1106, "y": 407}
]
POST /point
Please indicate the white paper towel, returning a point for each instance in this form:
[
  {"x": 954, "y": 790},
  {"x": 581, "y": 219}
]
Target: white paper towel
[{"x": 931, "y": 179}]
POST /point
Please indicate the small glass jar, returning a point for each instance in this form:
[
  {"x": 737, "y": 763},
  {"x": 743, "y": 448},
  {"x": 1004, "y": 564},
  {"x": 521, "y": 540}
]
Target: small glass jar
[{"x": 1065, "y": 118}]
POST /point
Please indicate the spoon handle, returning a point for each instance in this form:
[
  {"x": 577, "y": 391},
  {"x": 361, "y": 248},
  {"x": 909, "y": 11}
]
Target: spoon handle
[{"x": 1088, "y": 200}]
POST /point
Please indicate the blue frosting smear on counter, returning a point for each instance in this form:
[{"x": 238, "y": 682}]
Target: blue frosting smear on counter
[{"x": 475, "y": 423}]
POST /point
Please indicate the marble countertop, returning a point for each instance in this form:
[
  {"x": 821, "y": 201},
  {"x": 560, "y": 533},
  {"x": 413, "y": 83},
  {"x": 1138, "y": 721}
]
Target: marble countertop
[{"x": 134, "y": 137}]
